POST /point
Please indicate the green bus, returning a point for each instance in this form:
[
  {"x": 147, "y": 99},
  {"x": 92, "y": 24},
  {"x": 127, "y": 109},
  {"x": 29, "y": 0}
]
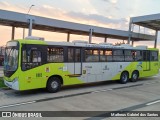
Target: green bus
[{"x": 31, "y": 64}]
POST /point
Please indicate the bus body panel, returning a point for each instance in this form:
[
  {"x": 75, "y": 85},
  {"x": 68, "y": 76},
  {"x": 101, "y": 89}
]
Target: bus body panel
[
  {"x": 75, "y": 73},
  {"x": 37, "y": 77}
]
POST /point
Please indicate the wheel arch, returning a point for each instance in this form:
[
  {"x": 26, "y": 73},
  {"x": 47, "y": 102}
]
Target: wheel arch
[
  {"x": 58, "y": 76},
  {"x": 126, "y": 72}
]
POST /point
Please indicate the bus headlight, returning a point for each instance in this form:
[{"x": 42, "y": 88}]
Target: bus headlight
[
  {"x": 15, "y": 80},
  {"x": 15, "y": 84}
]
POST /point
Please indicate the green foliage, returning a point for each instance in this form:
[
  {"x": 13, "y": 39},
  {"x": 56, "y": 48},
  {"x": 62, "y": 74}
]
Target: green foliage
[{"x": 1, "y": 83}]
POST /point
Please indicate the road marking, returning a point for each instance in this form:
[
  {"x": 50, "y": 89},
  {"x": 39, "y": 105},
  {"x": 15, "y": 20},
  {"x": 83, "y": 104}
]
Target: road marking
[
  {"x": 109, "y": 89},
  {"x": 96, "y": 91},
  {"x": 104, "y": 90},
  {"x": 17, "y": 104},
  {"x": 151, "y": 103}
]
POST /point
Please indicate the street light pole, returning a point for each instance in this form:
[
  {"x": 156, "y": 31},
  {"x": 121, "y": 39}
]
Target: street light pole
[
  {"x": 27, "y": 14},
  {"x": 30, "y": 8}
]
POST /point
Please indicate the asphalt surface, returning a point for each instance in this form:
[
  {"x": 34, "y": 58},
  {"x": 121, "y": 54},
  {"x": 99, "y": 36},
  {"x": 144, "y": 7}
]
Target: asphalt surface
[{"x": 143, "y": 95}]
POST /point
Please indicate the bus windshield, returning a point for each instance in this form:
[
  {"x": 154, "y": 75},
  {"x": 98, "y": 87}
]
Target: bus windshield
[{"x": 11, "y": 58}]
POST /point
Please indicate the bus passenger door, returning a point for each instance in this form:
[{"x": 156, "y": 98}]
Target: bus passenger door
[
  {"x": 146, "y": 61},
  {"x": 78, "y": 61},
  {"x": 33, "y": 58},
  {"x": 74, "y": 64}
]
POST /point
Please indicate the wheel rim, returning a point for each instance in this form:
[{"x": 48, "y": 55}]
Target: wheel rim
[
  {"x": 54, "y": 85},
  {"x": 124, "y": 77},
  {"x": 135, "y": 76}
]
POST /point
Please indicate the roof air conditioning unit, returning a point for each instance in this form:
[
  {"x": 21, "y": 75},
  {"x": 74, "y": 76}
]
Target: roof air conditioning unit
[{"x": 34, "y": 38}]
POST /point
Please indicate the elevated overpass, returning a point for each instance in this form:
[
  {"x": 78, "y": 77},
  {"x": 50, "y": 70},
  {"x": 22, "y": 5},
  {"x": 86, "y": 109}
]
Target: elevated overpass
[
  {"x": 20, "y": 20},
  {"x": 147, "y": 21}
]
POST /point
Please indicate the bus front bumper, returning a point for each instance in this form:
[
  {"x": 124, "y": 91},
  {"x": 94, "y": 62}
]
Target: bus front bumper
[{"x": 14, "y": 84}]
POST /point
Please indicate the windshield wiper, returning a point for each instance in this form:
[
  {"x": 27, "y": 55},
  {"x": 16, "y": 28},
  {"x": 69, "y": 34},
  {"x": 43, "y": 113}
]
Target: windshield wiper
[{"x": 7, "y": 58}]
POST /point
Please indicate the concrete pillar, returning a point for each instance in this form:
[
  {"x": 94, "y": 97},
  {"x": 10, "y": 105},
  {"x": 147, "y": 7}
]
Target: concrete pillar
[
  {"x": 105, "y": 40},
  {"x": 68, "y": 37},
  {"x": 129, "y": 31},
  {"x": 155, "y": 44},
  {"x": 13, "y": 33},
  {"x": 132, "y": 42},
  {"x": 23, "y": 33},
  {"x": 90, "y": 35},
  {"x": 30, "y": 27}
]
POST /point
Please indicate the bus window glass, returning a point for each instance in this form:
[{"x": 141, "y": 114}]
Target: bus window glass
[
  {"x": 70, "y": 55},
  {"x": 24, "y": 58},
  {"x": 31, "y": 59},
  {"x": 137, "y": 55},
  {"x": 36, "y": 56},
  {"x": 55, "y": 55},
  {"x": 108, "y": 52},
  {"x": 118, "y": 55},
  {"x": 105, "y": 55},
  {"x": 146, "y": 56},
  {"x": 95, "y": 52},
  {"x": 118, "y": 52},
  {"x": 154, "y": 56},
  {"x": 128, "y": 55},
  {"x": 91, "y": 55},
  {"x": 101, "y": 52},
  {"x": 77, "y": 55},
  {"x": 11, "y": 59}
]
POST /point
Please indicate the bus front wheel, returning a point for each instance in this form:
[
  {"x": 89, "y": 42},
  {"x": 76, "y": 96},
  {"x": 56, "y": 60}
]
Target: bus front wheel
[
  {"x": 53, "y": 84},
  {"x": 124, "y": 77}
]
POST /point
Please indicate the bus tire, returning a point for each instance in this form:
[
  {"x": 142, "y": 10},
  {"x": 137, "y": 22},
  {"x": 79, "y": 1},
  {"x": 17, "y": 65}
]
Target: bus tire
[
  {"x": 124, "y": 78},
  {"x": 53, "y": 84},
  {"x": 134, "y": 76}
]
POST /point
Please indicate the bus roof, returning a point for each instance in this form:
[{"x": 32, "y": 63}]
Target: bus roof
[{"x": 84, "y": 44}]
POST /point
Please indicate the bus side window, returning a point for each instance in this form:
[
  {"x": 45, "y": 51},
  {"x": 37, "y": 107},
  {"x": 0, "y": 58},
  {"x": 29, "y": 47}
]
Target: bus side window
[
  {"x": 70, "y": 55},
  {"x": 138, "y": 56},
  {"x": 55, "y": 54},
  {"x": 77, "y": 55},
  {"x": 36, "y": 56},
  {"x": 154, "y": 56},
  {"x": 146, "y": 56},
  {"x": 31, "y": 59},
  {"x": 118, "y": 55},
  {"x": 103, "y": 58},
  {"x": 92, "y": 55},
  {"x": 128, "y": 55},
  {"x": 109, "y": 54}
]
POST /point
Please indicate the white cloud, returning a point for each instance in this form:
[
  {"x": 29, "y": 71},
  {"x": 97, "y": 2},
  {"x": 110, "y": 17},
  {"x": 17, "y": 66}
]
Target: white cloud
[
  {"x": 4, "y": 3},
  {"x": 48, "y": 7},
  {"x": 87, "y": 15},
  {"x": 113, "y": 1}
]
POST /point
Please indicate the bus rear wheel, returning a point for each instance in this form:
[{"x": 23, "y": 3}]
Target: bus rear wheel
[
  {"x": 53, "y": 84},
  {"x": 134, "y": 76},
  {"x": 124, "y": 78}
]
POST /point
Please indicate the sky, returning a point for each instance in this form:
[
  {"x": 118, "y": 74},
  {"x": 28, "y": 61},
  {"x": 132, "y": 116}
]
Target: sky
[{"x": 104, "y": 13}]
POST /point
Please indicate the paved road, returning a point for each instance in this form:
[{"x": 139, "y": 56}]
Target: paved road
[{"x": 143, "y": 95}]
